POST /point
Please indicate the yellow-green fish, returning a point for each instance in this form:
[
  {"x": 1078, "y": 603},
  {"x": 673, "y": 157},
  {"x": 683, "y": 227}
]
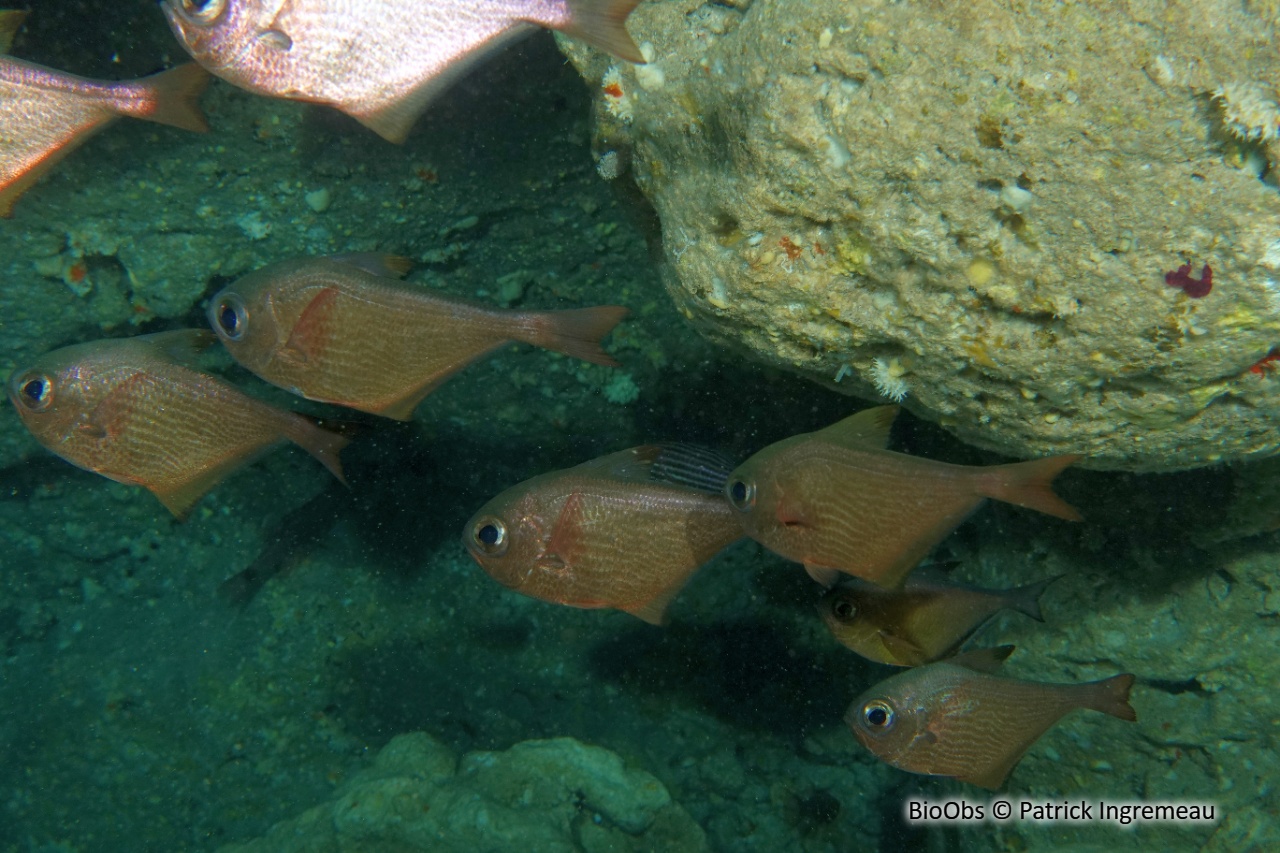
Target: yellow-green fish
[
  {"x": 925, "y": 619},
  {"x": 954, "y": 718}
]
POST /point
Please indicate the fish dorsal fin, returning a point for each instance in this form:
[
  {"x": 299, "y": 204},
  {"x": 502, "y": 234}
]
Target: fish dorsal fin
[
  {"x": 376, "y": 263},
  {"x": 983, "y": 660},
  {"x": 692, "y": 466},
  {"x": 10, "y": 22},
  {"x": 182, "y": 345},
  {"x": 867, "y": 429},
  {"x": 688, "y": 466},
  {"x": 905, "y": 652},
  {"x": 314, "y": 328}
]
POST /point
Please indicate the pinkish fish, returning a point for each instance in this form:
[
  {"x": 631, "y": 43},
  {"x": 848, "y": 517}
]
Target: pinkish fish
[
  {"x": 955, "y": 718},
  {"x": 131, "y": 410},
  {"x": 379, "y": 61},
  {"x": 46, "y": 114}
]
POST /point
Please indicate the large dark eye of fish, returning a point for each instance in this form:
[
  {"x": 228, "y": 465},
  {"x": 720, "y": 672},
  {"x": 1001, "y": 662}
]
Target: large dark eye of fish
[
  {"x": 490, "y": 536},
  {"x": 35, "y": 392},
  {"x": 229, "y": 317},
  {"x": 741, "y": 494},
  {"x": 204, "y": 11},
  {"x": 844, "y": 610},
  {"x": 878, "y": 715}
]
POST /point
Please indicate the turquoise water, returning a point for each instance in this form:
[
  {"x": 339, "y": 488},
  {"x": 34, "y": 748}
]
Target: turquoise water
[{"x": 141, "y": 709}]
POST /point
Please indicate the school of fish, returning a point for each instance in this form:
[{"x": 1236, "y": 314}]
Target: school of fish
[{"x": 626, "y": 531}]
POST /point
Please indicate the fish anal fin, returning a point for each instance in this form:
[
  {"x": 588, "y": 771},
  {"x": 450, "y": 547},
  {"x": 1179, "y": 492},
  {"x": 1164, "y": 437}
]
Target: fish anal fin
[
  {"x": 179, "y": 498},
  {"x": 824, "y": 575},
  {"x": 654, "y": 611},
  {"x": 37, "y": 164},
  {"x": 992, "y": 778},
  {"x": 402, "y": 408},
  {"x": 905, "y": 652},
  {"x": 314, "y": 329},
  {"x": 983, "y": 660},
  {"x": 323, "y": 444},
  {"x": 602, "y": 23},
  {"x": 10, "y": 22},
  {"x": 866, "y": 429},
  {"x": 393, "y": 119}
]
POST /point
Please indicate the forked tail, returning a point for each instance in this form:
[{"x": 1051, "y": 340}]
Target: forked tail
[
  {"x": 318, "y": 441},
  {"x": 576, "y": 332},
  {"x": 174, "y": 97},
  {"x": 603, "y": 24},
  {"x": 1029, "y": 484},
  {"x": 1110, "y": 696}
]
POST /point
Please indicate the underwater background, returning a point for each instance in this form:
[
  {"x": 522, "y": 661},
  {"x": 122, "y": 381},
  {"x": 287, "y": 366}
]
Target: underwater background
[{"x": 145, "y": 705}]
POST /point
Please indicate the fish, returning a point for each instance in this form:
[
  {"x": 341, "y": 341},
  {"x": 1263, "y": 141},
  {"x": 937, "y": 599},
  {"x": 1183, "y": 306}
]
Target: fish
[
  {"x": 615, "y": 532},
  {"x": 342, "y": 330},
  {"x": 379, "y": 61},
  {"x": 837, "y": 501},
  {"x": 47, "y": 114},
  {"x": 924, "y": 620},
  {"x": 131, "y": 410},
  {"x": 955, "y": 718}
]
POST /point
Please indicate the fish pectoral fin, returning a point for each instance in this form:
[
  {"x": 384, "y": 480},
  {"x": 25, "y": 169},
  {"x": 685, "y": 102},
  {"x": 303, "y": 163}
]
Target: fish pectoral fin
[
  {"x": 567, "y": 534},
  {"x": 792, "y": 513},
  {"x": 276, "y": 39},
  {"x": 314, "y": 329},
  {"x": 903, "y": 650}
]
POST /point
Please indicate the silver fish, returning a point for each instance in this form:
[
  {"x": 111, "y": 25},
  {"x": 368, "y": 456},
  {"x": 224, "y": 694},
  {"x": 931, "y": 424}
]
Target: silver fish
[{"x": 379, "y": 61}]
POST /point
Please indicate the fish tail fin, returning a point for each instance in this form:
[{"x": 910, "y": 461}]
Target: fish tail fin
[
  {"x": 1029, "y": 484},
  {"x": 323, "y": 444},
  {"x": 1110, "y": 696},
  {"x": 602, "y": 23},
  {"x": 576, "y": 332},
  {"x": 1026, "y": 599},
  {"x": 175, "y": 95}
]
